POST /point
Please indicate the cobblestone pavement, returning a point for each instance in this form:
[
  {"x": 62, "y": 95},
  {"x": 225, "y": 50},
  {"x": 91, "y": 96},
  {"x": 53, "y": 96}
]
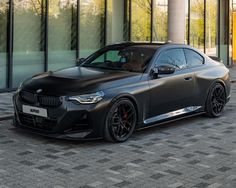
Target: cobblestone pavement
[
  {"x": 197, "y": 152},
  {"x": 6, "y": 107}
]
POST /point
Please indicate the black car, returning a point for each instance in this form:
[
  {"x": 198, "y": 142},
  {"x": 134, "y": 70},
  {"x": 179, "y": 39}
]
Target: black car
[{"x": 121, "y": 88}]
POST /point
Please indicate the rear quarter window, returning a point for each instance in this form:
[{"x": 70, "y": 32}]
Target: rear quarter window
[{"x": 193, "y": 58}]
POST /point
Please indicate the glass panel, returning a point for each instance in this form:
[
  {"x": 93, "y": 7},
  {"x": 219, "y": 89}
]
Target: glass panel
[
  {"x": 193, "y": 59},
  {"x": 211, "y": 27},
  {"x": 91, "y": 26},
  {"x": 28, "y": 55},
  {"x": 141, "y": 20},
  {"x": 62, "y": 34},
  {"x": 112, "y": 56},
  {"x": 175, "y": 58},
  {"x": 134, "y": 59},
  {"x": 160, "y": 20},
  {"x": 197, "y": 24},
  {"x": 3, "y": 41}
]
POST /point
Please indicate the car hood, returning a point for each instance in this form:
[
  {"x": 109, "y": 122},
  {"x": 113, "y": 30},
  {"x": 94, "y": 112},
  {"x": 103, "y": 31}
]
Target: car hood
[{"x": 79, "y": 80}]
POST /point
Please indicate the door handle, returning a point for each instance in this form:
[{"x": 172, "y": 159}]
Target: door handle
[{"x": 188, "y": 78}]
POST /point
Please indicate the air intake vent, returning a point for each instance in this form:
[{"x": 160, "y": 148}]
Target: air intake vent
[{"x": 27, "y": 97}]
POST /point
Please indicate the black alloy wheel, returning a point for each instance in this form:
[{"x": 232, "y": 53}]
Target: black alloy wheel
[
  {"x": 216, "y": 101},
  {"x": 120, "y": 121}
]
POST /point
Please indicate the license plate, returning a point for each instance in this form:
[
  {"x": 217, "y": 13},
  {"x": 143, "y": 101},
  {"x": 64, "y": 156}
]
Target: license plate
[{"x": 35, "y": 111}]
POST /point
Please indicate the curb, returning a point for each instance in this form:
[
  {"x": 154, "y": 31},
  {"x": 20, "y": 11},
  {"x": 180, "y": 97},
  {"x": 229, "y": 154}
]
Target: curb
[{"x": 7, "y": 117}]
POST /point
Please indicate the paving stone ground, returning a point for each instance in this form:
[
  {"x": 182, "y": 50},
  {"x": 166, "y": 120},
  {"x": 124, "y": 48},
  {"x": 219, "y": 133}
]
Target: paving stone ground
[
  {"x": 6, "y": 107},
  {"x": 197, "y": 152}
]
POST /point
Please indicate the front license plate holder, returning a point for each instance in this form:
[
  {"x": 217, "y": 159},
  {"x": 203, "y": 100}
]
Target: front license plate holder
[{"x": 41, "y": 112}]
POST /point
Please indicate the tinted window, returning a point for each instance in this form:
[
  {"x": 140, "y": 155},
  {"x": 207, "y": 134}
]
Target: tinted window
[
  {"x": 174, "y": 57},
  {"x": 193, "y": 58},
  {"x": 134, "y": 59}
]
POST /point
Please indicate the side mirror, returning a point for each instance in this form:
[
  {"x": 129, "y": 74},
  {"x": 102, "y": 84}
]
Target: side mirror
[
  {"x": 163, "y": 69},
  {"x": 155, "y": 72},
  {"x": 79, "y": 61}
]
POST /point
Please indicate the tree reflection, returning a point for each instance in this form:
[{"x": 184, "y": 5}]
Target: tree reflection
[
  {"x": 91, "y": 25},
  {"x": 141, "y": 20},
  {"x": 160, "y": 26},
  {"x": 3, "y": 25},
  {"x": 197, "y": 23}
]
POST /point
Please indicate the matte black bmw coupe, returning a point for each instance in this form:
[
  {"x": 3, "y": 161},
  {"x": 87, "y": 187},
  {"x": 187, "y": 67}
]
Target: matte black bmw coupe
[{"x": 121, "y": 88}]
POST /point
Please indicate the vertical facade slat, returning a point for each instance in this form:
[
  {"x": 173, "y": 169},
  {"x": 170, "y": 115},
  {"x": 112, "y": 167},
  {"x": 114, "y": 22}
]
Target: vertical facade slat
[
  {"x": 10, "y": 45},
  {"x": 46, "y": 35}
]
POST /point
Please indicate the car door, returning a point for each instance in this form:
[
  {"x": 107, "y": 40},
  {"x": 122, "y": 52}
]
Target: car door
[
  {"x": 196, "y": 62},
  {"x": 171, "y": 92}
]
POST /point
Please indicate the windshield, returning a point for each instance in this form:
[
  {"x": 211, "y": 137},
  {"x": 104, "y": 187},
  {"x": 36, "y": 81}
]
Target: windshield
[{"x": 134, "y": 59}]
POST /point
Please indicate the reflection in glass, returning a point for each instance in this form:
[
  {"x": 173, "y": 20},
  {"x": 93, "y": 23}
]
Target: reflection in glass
[
  {"x": 141, "y": 20},
  {"x": 91, "y": 26},
  {"x": 211, "y": 27},
  {"x": 28, "y": 55},
  {"x": 62, "y": 34},
  {"x": 197, "y": 24},
  {"x": 160, "y": 19},
  {"x": 3, "y": 42}
]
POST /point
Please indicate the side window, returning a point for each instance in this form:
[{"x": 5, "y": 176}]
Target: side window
[
  {"x": 173, "y": 57},
  {"x": 193, "y": 58}
]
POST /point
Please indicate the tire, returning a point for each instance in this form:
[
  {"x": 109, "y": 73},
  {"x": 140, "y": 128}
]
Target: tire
[
  {"x": 216, "y": 101},
  {"x": 120, "y": 121}
]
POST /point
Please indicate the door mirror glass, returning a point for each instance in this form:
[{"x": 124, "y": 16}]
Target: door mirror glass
[{"x": 79, "y": 61}]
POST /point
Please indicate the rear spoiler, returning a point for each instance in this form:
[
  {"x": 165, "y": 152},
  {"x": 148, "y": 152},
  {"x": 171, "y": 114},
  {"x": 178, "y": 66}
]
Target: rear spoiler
[{"x": 216, "y": 59}]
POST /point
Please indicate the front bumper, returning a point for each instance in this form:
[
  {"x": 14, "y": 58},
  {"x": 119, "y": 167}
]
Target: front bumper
[{"x": 67, "y": 121}]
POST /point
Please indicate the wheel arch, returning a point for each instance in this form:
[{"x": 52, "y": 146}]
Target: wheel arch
[
  {"x": 133, "y": 100},
  {"x": 216, "y": 81}
]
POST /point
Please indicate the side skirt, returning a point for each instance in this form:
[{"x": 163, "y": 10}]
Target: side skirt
[{"x": 173, "y": 116}]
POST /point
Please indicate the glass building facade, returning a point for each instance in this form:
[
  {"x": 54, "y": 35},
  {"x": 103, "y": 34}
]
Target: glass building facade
[{"x": 42, "y": 35}]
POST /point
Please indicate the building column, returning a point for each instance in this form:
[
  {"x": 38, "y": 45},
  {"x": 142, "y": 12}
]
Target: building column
[
  {"x": 176, "y": 21},
  {"x": 117, "y": 20}
]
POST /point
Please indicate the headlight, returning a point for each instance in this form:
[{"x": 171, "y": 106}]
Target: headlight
[{"x": 88, "y": 98}]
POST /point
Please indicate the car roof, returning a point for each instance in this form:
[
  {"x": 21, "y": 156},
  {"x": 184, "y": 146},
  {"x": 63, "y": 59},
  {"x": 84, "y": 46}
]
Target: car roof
[
  {"x": 152, "y": 45},
  {"x": 137, "y": 44}
]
